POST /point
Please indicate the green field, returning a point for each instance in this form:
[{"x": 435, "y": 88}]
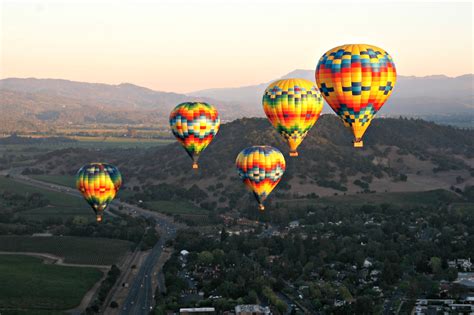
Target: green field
[
  {"x": 56, "y": 198},
  {"x": 65, "y": 213},
  {"x": 79, "y": 250},
  {"x": 63, "y": 180},
  {"x": 175, "y": 207},
  {"x": 432, "y": 197},
  {"x": 83, "y": 142},
  {"x": 28, "y": 283},
  {"x": 62, "y": 205}
]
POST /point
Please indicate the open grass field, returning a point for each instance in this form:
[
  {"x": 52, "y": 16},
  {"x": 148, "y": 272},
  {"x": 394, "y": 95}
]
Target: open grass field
[
  {"x": 28, "y": 283},
  {"x": 76, "y": 250},
  {"x": 63, "y": 180},
  {"x": 56, "y": 198},
  {"x": 432, "y": 197},
  {"x": 175, "y": 207},
  {"x": 65, "y": 213},
  {"x": 82, "y": 142}
]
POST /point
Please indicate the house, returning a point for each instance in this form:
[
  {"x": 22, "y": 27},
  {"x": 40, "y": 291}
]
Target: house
[
  {"x": 462, "y": 264},
  {"x": 294, "y": 224},
  {"x": 252, "y": 310},
  {"x": 197, "y": 311},
  {"x": 367, "y": 263}
]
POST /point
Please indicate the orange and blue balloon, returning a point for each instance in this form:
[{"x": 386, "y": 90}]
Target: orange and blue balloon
[
  {"x": 98, "y": 184},
  {"x": 292, "y": 106},
  {"x": 194, "y": 124},
  {"x": 356, "y": 80},
  {"x": 261, "y": 169}
]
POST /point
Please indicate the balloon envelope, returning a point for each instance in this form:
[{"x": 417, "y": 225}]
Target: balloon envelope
[
  {"x": 356, "y": 80},
  {"x": 98, "y": 184},
  {"x": 194, "y": 124},
  {"x": 292, "y": 106},
  {"x": 261, "y": 169}
]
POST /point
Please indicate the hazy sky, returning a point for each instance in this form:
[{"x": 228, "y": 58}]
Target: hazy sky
[{"x": 189, "y": 45}]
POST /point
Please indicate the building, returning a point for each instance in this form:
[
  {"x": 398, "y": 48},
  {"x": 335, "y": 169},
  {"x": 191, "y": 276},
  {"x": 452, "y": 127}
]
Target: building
[
  {"x": 466, "y": 279},
  {"x": 252, "y": 310},
  {"x": 294, "y": 224},
  {"x": 198, "y": 311},
  {"x": 367, "y": 263},
  {"x": 462, "y": 264},
  {"x": 440, "y": 306}
]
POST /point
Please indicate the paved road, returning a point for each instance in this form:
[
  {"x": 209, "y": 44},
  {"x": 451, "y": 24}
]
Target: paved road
[{"x": 140, "y": 298}]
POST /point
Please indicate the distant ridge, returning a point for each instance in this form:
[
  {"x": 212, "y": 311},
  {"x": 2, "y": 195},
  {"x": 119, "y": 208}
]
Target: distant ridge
[
  {"x": 428, "y": 95},
  {"x": 39, "y": 104}
]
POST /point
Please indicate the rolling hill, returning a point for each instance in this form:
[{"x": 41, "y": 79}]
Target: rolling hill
[
  {"x": 47, "y": 103},
  {"x": 400, "y": 155}
]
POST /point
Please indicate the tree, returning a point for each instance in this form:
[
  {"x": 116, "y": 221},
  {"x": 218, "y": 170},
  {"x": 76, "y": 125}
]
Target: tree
[
  {"x": 205, "y": 258},
  {"x": 223, "y": 234},
  {"x": 364, "y": 305},
  {"x": 435, "y": 264}
]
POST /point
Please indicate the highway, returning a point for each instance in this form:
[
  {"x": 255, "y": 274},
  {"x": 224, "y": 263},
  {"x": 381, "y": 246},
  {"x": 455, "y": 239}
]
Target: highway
[{"x": 140, "y": 298}]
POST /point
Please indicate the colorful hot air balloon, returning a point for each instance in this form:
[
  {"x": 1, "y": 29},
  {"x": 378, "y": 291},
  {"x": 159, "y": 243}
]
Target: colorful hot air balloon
[
  {"x": 98, "y": 183},
  {"x": 293, "y": 106},
  {"x": 194, "y": 124},
  {"x": 260, "y": 168},
  {"x": 356, "y": 80}
]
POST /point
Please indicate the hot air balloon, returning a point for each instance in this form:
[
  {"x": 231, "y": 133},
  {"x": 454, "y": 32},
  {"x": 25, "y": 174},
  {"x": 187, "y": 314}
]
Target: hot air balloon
[
  {"x": 293, "y": 106},
  {"x": 356, "y": 80},
  {"x": 260, "y": 168},
  {"x": 98, "y": 183},
  {"x": 194, "y": 124}
]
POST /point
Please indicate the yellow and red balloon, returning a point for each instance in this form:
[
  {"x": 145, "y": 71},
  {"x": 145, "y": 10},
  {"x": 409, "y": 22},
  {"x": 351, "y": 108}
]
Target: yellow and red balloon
[
  {"x": 292, "y": 106},
  {"x": 356, "y": 80},
  {"x": 261, "y": 169},
  {"x": 194, "y": 124},
  {"x": 98, "y": 184}
]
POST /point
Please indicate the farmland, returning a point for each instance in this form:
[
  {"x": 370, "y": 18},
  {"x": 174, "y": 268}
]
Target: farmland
[
  {"x": 28, "y": 283},
  {"x": 63, "y": 180},
  {"x": 55, "y": 198},
  {"x": 79, "y": 250}
]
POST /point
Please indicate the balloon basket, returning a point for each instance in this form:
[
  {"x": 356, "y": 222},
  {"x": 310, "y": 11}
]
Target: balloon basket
[
  {"x": 98, "y": 218},
  {"x": 261, "y": 207},
  {"x": 358, "y": 144},
  {"x": 195, "y": 166},
  {"x": 293, "y": 153}
]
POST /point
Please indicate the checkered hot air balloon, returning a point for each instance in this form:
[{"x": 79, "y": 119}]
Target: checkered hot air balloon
[
  {"x": 292, "y": 106},
  {"x": 356, "y": 80},
  {"x": 194, "y": 124},
  {"x": 98, "y": 183},
  {"x": 261, "y": 169}
]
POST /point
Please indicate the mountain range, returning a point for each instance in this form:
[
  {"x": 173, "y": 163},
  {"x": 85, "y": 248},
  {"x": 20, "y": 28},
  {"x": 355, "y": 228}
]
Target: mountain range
[
  {"x": 39, "y": 104},
  {"x": 429, "y": 95}
]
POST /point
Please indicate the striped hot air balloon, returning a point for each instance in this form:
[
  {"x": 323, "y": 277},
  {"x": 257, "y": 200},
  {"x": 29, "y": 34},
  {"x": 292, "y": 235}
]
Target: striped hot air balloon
[
  {"x": 194, "y": 124},
  {"x": 261, "y": 169},
  {"x": 356, "y": 80},
  {"x": 99, "y": 184},
  {"x": 292, "y": 106}
]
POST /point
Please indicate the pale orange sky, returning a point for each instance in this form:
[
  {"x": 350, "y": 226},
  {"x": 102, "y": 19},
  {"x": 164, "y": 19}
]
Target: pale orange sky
[{"x": 183, "y": 46}]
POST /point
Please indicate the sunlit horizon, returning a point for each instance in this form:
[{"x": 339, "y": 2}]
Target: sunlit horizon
[{"x": 218, "y": 45}]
